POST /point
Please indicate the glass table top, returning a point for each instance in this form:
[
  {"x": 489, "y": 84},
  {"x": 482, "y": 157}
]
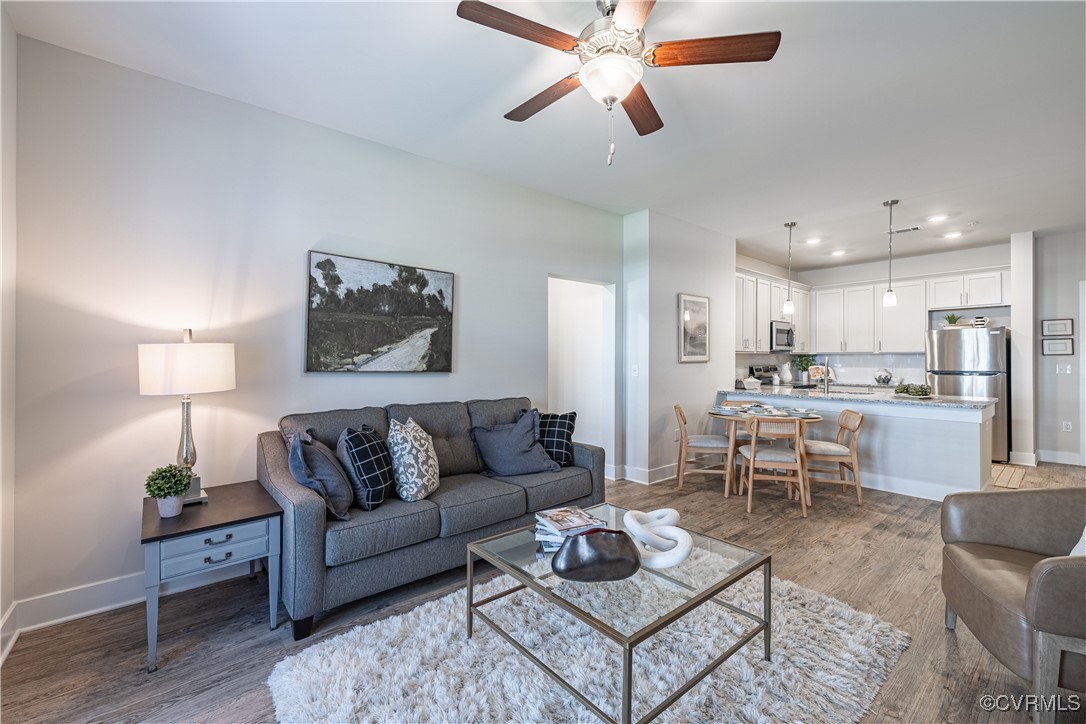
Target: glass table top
[{"x": 647, "y": 598}]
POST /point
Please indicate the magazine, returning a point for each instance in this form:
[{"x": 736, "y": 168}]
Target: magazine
[{"x": 568, "y": 521}]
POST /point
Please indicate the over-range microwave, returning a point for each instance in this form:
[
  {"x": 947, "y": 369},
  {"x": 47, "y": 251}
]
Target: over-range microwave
[{"x": 782, "y": 337}]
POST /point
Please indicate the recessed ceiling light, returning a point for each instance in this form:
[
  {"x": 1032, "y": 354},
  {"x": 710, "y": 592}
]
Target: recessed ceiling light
[
  {"x": 937, "y": 217},
  {"x": 839, "y": 252},
  {"x": 952, "y": 235},
  {"x": 814, "y": 240}
]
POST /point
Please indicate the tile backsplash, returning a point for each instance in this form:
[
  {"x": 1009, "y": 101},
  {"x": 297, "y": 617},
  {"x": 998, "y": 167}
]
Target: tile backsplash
[{"x": 855, "y": 368}]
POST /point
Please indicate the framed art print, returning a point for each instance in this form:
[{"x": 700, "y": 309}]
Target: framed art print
[
  {"x": 1058, "y": 346},
  {"x": 693, "y": 328},
  {"x": 1057, "y": 327}
]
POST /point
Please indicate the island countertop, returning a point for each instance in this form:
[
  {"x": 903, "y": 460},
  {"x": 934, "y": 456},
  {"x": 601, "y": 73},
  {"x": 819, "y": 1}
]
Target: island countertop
[{"x": 869, "y": 395}]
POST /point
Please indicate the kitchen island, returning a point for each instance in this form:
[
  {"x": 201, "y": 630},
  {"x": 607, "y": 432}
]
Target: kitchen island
[{"x": 926, "y": 448}]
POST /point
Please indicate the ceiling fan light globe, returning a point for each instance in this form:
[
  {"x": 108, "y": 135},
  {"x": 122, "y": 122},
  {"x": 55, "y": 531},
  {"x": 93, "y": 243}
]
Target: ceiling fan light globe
[
  {"x": 889, "y": 299},
  {"x": 609, "y": 78}
]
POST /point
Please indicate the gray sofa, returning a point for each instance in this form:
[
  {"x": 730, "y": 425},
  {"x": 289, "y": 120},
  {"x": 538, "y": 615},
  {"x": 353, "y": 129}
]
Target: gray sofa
[{"x": 327, "y": 563}]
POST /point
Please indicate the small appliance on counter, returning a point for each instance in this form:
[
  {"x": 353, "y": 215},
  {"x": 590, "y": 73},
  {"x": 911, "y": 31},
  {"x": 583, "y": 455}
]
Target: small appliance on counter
[{"x": 766, "y": 373}]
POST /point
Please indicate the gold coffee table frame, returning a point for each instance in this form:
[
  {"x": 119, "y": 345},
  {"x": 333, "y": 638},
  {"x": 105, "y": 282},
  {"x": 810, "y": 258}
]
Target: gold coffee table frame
[{"x": 698, "y": 596}]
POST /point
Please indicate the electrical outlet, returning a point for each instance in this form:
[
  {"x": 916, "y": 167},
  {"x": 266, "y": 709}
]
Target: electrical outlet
[
  {"x": 635, "y": 371},
  {"x": 1063, "y": 369},
  {"x": 1067, "y": 426},
  {"x": 677, "y": 433}
]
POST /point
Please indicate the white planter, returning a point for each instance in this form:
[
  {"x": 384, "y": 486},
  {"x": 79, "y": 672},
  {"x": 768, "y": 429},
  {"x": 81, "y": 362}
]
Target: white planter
[{"x": 171, "y": 506}]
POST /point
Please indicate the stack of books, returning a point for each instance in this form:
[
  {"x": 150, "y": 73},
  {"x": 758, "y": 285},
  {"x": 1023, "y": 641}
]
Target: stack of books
[{"x": 555, "y": 525}]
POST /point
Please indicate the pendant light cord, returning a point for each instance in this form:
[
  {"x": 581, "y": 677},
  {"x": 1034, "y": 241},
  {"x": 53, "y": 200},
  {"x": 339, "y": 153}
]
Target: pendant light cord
[
  {"x": 890, "y": 238},
  {"x": 790, "y": 225}
]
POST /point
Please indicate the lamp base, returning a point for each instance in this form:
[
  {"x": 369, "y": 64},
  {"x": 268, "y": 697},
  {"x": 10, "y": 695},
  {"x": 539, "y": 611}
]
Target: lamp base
[{"x": 195, "y": 494}]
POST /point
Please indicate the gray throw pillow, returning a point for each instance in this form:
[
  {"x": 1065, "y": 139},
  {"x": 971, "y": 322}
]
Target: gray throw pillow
[
  {"x": 314, "y": 465},
  {"x": 414, "y": 461},
  {"x": 513, "y": 449}
]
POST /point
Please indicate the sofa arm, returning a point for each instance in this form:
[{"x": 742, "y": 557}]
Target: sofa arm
[
  {"x": 592, "y": 458},
  {"x": 1054, "y": 596},
  {"x": 304, "y": 522},
  {"x": 1047, "y": 521}
]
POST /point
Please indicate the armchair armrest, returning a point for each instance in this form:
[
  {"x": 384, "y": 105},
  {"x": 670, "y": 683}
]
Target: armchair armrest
[
  {"x": 592, "y": 458},
  {"x": 304, "y": 522},
  {"x": 1046, "y": 521},
  {"x": 1054, "y": 596}
]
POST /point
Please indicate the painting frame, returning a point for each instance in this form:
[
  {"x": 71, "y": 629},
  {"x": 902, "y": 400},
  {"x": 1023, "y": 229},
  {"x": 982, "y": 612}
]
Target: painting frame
[
  {"x": 1058, "y": 346},
  {"x": 1057, "y": 327},
  {"x": 364, "y": 315},
  {"x": 693, "y": 328}
]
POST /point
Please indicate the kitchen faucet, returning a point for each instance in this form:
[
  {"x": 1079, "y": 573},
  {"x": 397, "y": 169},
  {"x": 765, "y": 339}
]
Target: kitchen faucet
[{"x": 826, "y": 377}]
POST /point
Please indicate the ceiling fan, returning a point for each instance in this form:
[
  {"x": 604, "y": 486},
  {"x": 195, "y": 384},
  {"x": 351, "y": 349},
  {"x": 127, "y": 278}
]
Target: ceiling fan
[{"x": 613, "y": 54}]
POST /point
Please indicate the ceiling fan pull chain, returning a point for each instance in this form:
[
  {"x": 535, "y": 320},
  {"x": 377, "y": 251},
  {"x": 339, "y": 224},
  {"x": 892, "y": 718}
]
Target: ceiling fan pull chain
[{"x": 611, "y": 133}]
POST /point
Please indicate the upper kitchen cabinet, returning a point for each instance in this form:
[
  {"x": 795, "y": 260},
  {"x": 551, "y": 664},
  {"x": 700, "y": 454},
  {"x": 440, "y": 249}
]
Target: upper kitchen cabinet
[
  {"x": 802, "y": 319},
  {"x": 901, "y": 328},
  {"x": 764, "y": 315},
  {"x": 844, "y": 319},
  {"x": 745, "y": 300},
  {"x": 758, "y": 301},
  {"x": 976, "y": 289}
]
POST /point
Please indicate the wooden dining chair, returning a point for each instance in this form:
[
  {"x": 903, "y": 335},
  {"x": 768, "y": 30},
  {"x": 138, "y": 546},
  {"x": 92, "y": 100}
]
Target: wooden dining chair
[
  {"x": 741, "y": 436},
  {"x": 841, "y": 455},
  {"x": 694, "y": 448},
  {"x": 777, "y": 463}
]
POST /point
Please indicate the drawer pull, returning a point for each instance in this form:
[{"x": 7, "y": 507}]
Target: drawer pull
[
  {"x": 227, "y": 557},
  {"x": 227, "y": 539}
]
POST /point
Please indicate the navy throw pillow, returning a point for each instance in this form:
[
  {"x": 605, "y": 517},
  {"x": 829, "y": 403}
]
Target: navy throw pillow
[
  {"x": 555, "y": 433},
  {"x": 314, "y": 465},
  {"x": 365, "y": 457},
  {"x": 512, "y": 449}
]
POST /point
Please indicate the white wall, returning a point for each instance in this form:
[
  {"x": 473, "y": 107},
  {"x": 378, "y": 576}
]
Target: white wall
[
  {"x": 636, "y": 345},
  {"x": 1060, "y": 269},
  {"x": 8, "y": 78},
  {"x": 146, "y": 207},
  {"x": 927, "y": 265}
]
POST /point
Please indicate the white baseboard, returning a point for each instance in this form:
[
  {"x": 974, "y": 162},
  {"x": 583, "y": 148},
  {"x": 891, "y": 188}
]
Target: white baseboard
[
  {"x": 646, "y": 476},
  {"x": 8, "y": 632},
  {"x": 72, "y": 603},
  {"x": 1059, "y": 456},
  {"x": 1028, "y": 459},
  {"x": 614, "y": 472}
]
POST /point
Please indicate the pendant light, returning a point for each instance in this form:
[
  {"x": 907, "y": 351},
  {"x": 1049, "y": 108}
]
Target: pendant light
[
  {"x": 889, "y": 299},
  {"x": 789, "y": 307}
]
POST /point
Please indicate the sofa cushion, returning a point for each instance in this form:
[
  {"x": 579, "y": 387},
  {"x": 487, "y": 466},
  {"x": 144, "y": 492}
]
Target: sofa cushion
[
  {"x": 396, "y": 524},
  {"x": 450, "y": 427},
  {"x": 512, "y": 449},
  {"x": 555, "y": 434},
  {"x": 470, "y": 501},
  {"x": 487, "y": 413},
  {"x": 327, "y": 426},
  {"x": 550, "y": 490},
  {"x": 365, "y": 458},
  {"x": 414, "y": 463},
  {"x": 315, "y": 466}
]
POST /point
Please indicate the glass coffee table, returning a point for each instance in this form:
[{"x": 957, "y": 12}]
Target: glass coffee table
[{"x": 618, "y": 611}]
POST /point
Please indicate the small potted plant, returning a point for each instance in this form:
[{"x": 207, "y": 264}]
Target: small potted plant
[
  {"x": 951, "y": 319},
  {"x": 168, "y": 485},
  {"x": 803, "y": 368}
]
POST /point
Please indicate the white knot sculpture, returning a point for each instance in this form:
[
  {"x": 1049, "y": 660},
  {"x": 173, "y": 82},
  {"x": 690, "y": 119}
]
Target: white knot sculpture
[{"x": 661, "y": 542}]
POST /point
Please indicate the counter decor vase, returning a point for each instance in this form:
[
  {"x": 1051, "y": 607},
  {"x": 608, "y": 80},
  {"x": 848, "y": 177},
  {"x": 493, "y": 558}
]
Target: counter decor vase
[
  {"x": 803, "y": 377},
  {"x": 170, "y": 507},
  {"x": 595, "y": 556},
  {"x": 786, "y": 372}
]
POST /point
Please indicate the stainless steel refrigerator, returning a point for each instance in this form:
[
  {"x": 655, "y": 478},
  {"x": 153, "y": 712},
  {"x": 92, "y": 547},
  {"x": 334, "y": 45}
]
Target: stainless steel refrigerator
[{"x": 969, "y": 362}]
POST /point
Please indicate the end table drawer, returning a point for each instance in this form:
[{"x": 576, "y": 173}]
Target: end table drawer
[
  {"x": 221, "y": 556},
  {"x": 214, "y": 539}
]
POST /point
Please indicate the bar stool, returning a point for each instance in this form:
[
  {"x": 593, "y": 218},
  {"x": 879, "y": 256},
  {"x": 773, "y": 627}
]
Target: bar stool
[
  {"x": 841, "y": 453},
  {"x": 790, "y": 461},
  {"x": 693, "y": 447}
]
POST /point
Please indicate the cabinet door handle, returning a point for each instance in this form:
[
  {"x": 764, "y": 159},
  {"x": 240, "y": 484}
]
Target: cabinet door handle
[
  {"x": 880, "y": 345},
  {"x": 227, "y": 557},
  {"x": 208, "y": 542},
  {"x": 961, "y": 300}
]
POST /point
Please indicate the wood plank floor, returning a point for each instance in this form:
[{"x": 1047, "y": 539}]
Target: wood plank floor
[{"x": 215, "y": 649}]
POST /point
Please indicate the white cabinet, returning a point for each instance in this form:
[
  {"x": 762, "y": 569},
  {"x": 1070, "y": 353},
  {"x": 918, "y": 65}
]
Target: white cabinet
[
  {"x": 778, "y": 293},
  {"x": 802, "y": 319},
  {"x": 978, "y": 289},
  {"x": 762, "y": 315},
  {"x": 901, "y": 328},
  {"x": 745, "y": 300},
  {"x": 844, "y": 319}
]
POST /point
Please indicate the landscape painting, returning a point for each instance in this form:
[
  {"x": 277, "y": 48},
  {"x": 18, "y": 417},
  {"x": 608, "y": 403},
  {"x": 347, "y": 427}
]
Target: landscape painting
[
  {"x": 693, "y": 328},
  {"x": 371, "y": 316}
]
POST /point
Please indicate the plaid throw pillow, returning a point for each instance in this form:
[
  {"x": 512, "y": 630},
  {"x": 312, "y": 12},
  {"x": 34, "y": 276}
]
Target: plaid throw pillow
[
  {"x": 369, "y": 467},
  {"x": 555, "y": 434}
]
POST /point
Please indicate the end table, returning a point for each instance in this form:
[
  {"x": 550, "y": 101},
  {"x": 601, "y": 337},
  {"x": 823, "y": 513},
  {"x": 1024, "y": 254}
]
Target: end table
[{"x": 239, "y": 523}]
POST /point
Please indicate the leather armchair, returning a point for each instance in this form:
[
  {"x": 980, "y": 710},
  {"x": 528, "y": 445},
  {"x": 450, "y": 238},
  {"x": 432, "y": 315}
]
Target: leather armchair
[{"x": 1007, "y": 574}]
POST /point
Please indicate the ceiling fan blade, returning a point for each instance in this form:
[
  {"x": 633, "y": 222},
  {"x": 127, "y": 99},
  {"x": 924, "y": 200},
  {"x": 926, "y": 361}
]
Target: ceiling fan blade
[
  {"x": 492, "y": 17},
  {"x": 642, "y": 113},
  {"x": 751, "y": 48},
  {"x": 535, "y": 104},
  {"x": 630, "y": 15}
]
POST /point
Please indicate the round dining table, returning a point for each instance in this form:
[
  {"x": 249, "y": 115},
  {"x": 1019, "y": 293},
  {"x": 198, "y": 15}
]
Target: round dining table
[{"x": 745, "y": 412}]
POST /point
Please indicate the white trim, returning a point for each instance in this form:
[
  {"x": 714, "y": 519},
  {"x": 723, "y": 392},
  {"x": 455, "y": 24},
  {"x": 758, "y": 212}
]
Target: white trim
[
  {"x": 1060, "y": 456},
  {"x": 8, "y": 633},
  {"x": 1028, "y": 459},
  {"x": 614, "y": 472}
]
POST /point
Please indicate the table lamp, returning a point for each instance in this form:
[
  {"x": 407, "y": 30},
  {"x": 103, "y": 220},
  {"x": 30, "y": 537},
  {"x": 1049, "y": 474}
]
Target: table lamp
[{"x": 186, "y": 368}]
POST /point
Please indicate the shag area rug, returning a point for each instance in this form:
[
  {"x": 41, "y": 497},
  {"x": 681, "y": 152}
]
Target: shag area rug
[{"x": 829, "y": 660}]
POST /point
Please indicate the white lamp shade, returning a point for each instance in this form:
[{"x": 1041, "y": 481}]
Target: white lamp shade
[
  {"x": 186, "y": 368},
  {"x": 889, "y": 299},
  {"x": 612, "y": 75},
  {"x": 788, "y": 307}
]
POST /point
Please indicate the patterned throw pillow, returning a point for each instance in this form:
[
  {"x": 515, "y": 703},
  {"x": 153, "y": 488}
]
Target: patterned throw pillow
[
  {"x": 555, "y": 434},
  {"x": 365, "y": 458},
  {"x": 314, "y": 465},
  {"x": 414, "y": 461}
]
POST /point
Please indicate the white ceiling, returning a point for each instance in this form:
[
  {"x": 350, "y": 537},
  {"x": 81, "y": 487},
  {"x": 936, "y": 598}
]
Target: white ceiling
[{"x": 976, "y": 109}]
